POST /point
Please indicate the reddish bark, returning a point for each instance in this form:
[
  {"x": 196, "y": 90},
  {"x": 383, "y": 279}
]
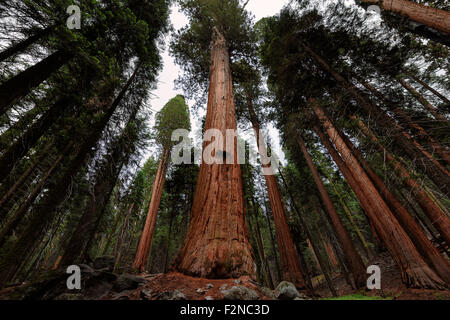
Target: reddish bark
[
  {"x": 438, "y": 218},
  {"x": 431, "y": 17},
  {"x": 423, "y": 245},
  {"x": 404, "y": 117},
  {"x": 435, "y": 171},
  {"x": 216, "y": 244},
  {"x": 150, "y": 222},
  {"x": 290, "y": 263},
  {"x": 415, "y": 272},
  {"x": 432, "y": 109},
  {"x": 354, "y": 260},
  {"x": 429, "y": 88}
]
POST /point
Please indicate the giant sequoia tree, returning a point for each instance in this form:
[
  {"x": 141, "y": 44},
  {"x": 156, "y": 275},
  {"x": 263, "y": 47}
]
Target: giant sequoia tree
[{"x": 216, "y": 243}]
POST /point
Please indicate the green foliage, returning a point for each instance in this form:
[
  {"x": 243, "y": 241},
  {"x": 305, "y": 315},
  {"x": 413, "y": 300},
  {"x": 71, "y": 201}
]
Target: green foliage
[{"x": 173, "y": 116}]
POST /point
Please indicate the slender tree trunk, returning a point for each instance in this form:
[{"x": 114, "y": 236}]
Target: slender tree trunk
[
  {"x": 45, "y": 211},
  {"x": 354, "y": 260},
  {"x": 22, "y": 45},
  {"x": 432, "y": 109},
  {"x": 309, "y": 235},
  {"x": 289, "y": 257},
  {"x": 20, "y": 213},
  {"x": 435, "y": 171},
  {"x": 406, "y": 119},
  {"x": 423, "y": 245},
  {"x": 20, "y": 85},
  {"x": 260, "y": 246},
  {"x": 7, "y": 137},
  {"x": 22, "y": 179},
  {"x": 21, "y": 147},
  {"x": 415, "y": 272},
  {"x": 272, "y": 241},
  {"x": 217, "y": 243},
  {"x": 112, "y": 232},
  {"x": 118, "y": 248},
  {"x": 431, "y": 17},
  {"x": 429, "y": 88},
  {"x": 150, "y": 222},
  {"x": 169, "y": 238},
  {"x": 352, "y": 221},
  {"x": 438, "y": 218}
]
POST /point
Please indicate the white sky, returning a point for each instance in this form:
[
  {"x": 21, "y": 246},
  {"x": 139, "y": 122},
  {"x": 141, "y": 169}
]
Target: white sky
[{"x": 166, "y": 88}]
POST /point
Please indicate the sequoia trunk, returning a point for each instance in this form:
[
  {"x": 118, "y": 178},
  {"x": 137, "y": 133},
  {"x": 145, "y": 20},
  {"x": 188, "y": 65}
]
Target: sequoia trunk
[{"x": 217, "y": 244}]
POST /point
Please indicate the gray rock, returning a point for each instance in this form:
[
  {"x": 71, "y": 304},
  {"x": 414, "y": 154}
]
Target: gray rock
[
  {"x": 209, "y": 286},
  {"x": 267, "y": 292},
  {"x": 146, "y": 294},
  {"x": 286, "y": 291},
  {"x": 128, "y": 282},
  {"x": 237, "y": 281},
  {"x": 174, "y": 295},
  {"x": 208, "y": 298},
  {"x": 223, "y": 287},
  {"x": 240, "y": 293},
  {"x": 70, "y": 296},
  {"x": 104, "y": 262},
  {"x": 201, "y": 291}
]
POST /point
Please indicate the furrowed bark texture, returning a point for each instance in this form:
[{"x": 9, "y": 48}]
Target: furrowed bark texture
[
  {"x": 438, "y": 218},
  {"x": 435, "y": 171},
  {"x": 431, "y": 17},
  {"x": 428, "y": 251},
  {"x": 354, "y": 260},
  {"x": 217, "y": 244},
  {"x": 415, "y": 272},
  {"x": 290, "y": 262}
]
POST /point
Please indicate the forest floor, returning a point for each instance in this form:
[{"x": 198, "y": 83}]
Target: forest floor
[
  {"x": 391, "y": 284},
  {"x": 158, "y": 286}
]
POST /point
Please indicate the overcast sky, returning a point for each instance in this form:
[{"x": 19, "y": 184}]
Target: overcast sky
[{"x": 166, "y": 88}]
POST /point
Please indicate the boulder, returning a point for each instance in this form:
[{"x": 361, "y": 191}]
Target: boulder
[
  {"x": 286, "y": 291},
  {"x": 174, "y": 295},
  {"x": 104, "y": 262},
  {"x": 209, "y": 286},
  {"x": 240, "y": 293},
  {"x": 267, "y": 292},
  {"x": 146, "y": 294},
  {"x": 127, "y": 282}
]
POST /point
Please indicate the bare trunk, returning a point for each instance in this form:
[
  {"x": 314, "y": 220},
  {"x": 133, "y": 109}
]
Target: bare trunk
[
  {"x": 405, "y": 118},
  {"x": 20, "y": 85},
  {"x": 429, "y": 88},
  {"x": 431, "y": 17},
  {"x": 352, "y": 221},
  {"x": 432, "y": 109},
  {"x": 320, "y": 259},
  {"x": 354, "y": 260},
  {"x": 423, "y": 245},
  {"x": 150, "y": 222},
  {"x": 439, "y": 219},
  {"x": 289, "y": 257},
  {"x": 415, "y": 272},
  {"x": 435, "y": 171},
  {"x": 29, "y": 139}
]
